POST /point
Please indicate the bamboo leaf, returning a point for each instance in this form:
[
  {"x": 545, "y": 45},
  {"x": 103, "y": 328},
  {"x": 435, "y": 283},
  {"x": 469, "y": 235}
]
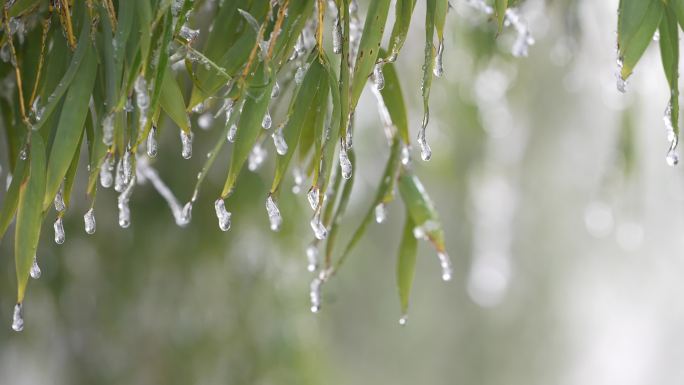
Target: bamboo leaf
[
  {"x": 669, "y": 53},
  {"x": 332, "y": 138},
  {"x": 637, "y": 22},
  {"x": 394, "y": 101},
  {"x": 421, "y": 208},
  {"x": 171, "y": 100},
  {"x": 29, "y": 215},
  {"x": 70, "y": 126},
  {"x": 406, "y": 264},
  {"x": 500, "y": 10},
  {"x": 9, "y": 206},
  {"x": 403, "y": 12}
]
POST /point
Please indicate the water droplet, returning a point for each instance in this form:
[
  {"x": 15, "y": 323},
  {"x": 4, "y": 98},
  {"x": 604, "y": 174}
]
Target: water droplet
[
  {"x": 89, "y": 221},
  {"x": 35, "y": 269},
  {"x": 256, "y": 157},
  {"x": 59, "y": 231},
  {"x": 275, "y": 91},
  {"x": 152, "y": 145},
  {"x": 378, "y": 76},
  {"x": 106, "y": 177},
  {"x": 672, "y": 159},
  {"x": 60, "y": 206},
  {"x": 425, "y": 150},
  {"x": 445, "y": 263},
  {"x": 438, "y": 68},
  {"x": 17, "y": 318},
  {"x": 320, "y": 232},
  {"x": 313, "y": 196},
  {"x": 345, "y": 163},
  {"x": 337, "y": 36},
  {"x": 222, "y": 214},
  {"x": 119, "y": 184},
  {"x": 266, "y": 121},
  {"x": 232, "y": 132},
  {"x": 380, "y": 213},
  {"x": 186, "y": 141},
  {"x": 312, "y": 257},
  {"x": 273, "y": 213},
  {"x": 279, "y": 141},
  {"x": 403, "y": 320}
]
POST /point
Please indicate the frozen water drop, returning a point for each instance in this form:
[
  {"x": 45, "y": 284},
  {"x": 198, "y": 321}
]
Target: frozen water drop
[
  {"x": 106, "y": 177},
  {"x": 672, "y": 159},
  {"x": 266, "y": 121},
  {"x": 313, "y": 197},
  {"x": 188, "y": 33},
  {"x": 445, "y": 263},
  {"x": 60, "y": 206},
  {"x": 119, "y": 184},
  {"x": 299, "y": 75},
  {"x": 438, "y": 67},
  {"x": 273, "y": 213},
  {"x": 35, "y": 269},
  {"x": 222, "y": 214},
  {"x": 127, "y": 167},
  {"x": 186, "y": 142},
  {"x": 337, "y": 36},
  {"x": 17, "y": 318},
  {"x": 59, "y": 231},
  {"x": 312, "y": 257},
  {"x": 380, "y": 213},
  {"x": 378, "y": 76},
  {"x": 320, "y": 232},
  {"x": 108, "y": 130},
  {"x": 89, "y": 221},
  {"x": 152, "y": 145},
  {"x": 275, "y": 91},
  {"x": 279, "y": 141},
  {"x": 345, "y": 163},
  {"x": 186, "y": 214},
  {"x": 425, "y": 150},
  {"x": 232, "y": 132}
]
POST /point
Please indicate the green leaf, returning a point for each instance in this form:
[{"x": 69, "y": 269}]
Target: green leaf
[
  {"x": 500, "y": 10},
  {"x": 29, "y": 215},
  {"x": 406, "y": 263},
  {"x": 171, "y": 100},
  {"x": 333, "y": 136},
  {"x": 70, "y": 126},
  {"x": 669, "y": 53},
  {"x": 9, "y": 206},
  {"x": 421, "y": 208},
  {"x": 339, "y": 212},
  {"x": 637, "y": 22},
  {"x": 403, "y": 13},
  {"x": 394, "y": 101},
  {"x": 369, "y": 47}
]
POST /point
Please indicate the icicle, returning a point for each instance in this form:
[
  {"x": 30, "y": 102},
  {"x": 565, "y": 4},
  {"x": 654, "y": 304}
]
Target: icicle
[
  {"x": 89, "y": 221},
  {"x": 142, "y": 98},
  {"x": 337, "y": 36},
  {"x": 378, "y": 76},
  {"x": 315, "y": 290},
  {"x": 256, "y": 157},
  {"x": 232, "y": 132},
  {"x": 405, "y": 155},
  {"x": 127, "y": 167},
  {"x": 313, "y": 196},
  {"x": 60, "y": 206},
  {"x": 108, "y": 130},
  {"x": 152, "y": 142},
  {"x": 438, "y": 68},
  {"x": 425, "y": 150},
  {"x": 299, "y": 75},
  {"x": 59, "y": 231},
  {"x": 273, "y": 213},
  {"x": 106, "y": 177},
  {"x": 275, "y": 91},
  {"x": 672, "y": 157},
  {"x": 345, "y": 163},
  {"x": 279, "y": 141},
  {"x": 186, "y": 214},
  {"x": 266, "y": 121},
  {"x": 186, "y": 141},
  {"x": 119, "y": 184},
  {"x": 380, "y": 213},
  {"x": 222, "y": 214},
  {"x": 17, "y": 318},
  {"x": 35, "y": 269},
  {"x": 122, "y": 203},
  {"x": 320, "y": 232},
  {"x": 445, "y": 263},
  {"x": 312, "y": 257}
]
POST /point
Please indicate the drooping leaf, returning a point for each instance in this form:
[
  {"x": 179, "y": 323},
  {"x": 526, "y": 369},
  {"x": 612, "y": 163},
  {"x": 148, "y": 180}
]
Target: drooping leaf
[
  {"x": 637, "y": 22},
  {"x": 9, "y": 205},
  {"x": 421, "y": 208},
  {"x": 403, "y": 14},
  {"x": 669, "y": 53},
  {"x": 171, "y": 100},
  {"x": 406, "y": 263},
  {"x": 500, "y": 10},
  {"x": 394, "y": 101}
]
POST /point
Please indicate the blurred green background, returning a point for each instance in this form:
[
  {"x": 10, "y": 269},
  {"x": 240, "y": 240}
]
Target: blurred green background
[{"x": 563, "y": 222}]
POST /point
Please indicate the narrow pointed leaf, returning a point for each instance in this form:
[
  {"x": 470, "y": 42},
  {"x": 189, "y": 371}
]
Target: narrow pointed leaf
[
  {"x": 421, "y": 208},
  {"x": 9, "y": 204},
  {"x": 403, "y": 13},
  {"x": 394, "y": 101},
  {"x": 171, "y": 100},
  {"x": 406, "y": 263},
  {"x": 637, "y": 22},
  {"x": 669, "y": 53},
  {"x": 500, "y": 10}
]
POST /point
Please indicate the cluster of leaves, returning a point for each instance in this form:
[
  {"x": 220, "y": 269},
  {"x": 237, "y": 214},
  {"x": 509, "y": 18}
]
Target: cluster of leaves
[{"x": 75, "y": 68}]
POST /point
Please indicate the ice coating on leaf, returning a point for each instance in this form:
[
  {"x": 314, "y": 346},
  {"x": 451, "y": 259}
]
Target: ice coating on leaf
[
  {"x": 313, "y": 196},
  {"x": 425, "y": 150},
  {"x": 405, "y": 155},
  {"x": 35, "y": 272},
  {"x": 438, "y": 67},
  {"x": 380, "y": 213},
  {"x": 301, "y": 72},
  {"x": 319, "y": 230},
  {"x": 18, "y": 318},
  {"x": 312, "y": 257},
  {"x": 142, "y": 98},
  {"x": 266, "y": 121},
  {"x": 232, "y": 132},
  {"x": 119, "y": 184},
  {"x": 89, "y": 221},
  {"x": 672, "y": 158},
  {"x": 106, "y": 177},
  {"x": 59, "y": 200},
  {"x": 188, "y": 33},
  {"x": 59, "y": 231},
  {"x": 279, "y": 140},
  {"x": 222, "y": 214},
  {"x": 378, "y": 76},
  {"x": 108, "y": 130},
  {"x": 275, "y": 92},
  {"x": 186, "y": 214},
  {"x": 152, "y": 145},
  {"x": 273, "y": 213},
  {"x": 186, "y": 144},
  {"x": 127, "y": 167},
  {"x": 445, "y": 263},
  {"x": 345, "y": 163},
  {"x": 337, "y": 36},
  {"x": 37, "y": 110},
  {"x": 122, "y": 204},
  {"x": 256, "y": 157}
]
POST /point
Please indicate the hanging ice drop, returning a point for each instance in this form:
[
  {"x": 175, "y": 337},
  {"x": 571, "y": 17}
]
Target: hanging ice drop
[
  {"x": 345, "y": 163},
  {"x": 425, "y": 150},
  {"x": 222, "y": 214},
  {"x": 127, "y": 167},
  {"x": 106, "y": 177},
  {"x": 275, "y": 91},
  {"x": 89, "y": 221},
  {"x": 337, "y": 36},
  {"x": 232, "y": 132},
  {"x": 273, "y": 213},
  {"x": 186, "y": 142},
  {"x": 59, "y": 200},
  {"x": 35, "y": 269},
  {"x": 119, "y": 184},
  {"x": 313, "y": 197},
  {"x": 108, "y": 129},
  {"x": 186, "y": 214},
  {"x": 17, "y": 318},
  {"x": 59, "y": 231},
  {"x": 445, "y": 263},
  {"x": 279, "y": 141},
  {"x": 320, "y": 232},
  {"x": 380, "y": 213},
  {"x": 312, "y": 257},
  {"x": 152, "y": 142},
  {"x": 266, "y": 121},
  {"x": 438, "y": 68},
  {"x": 378, "y": 76}
]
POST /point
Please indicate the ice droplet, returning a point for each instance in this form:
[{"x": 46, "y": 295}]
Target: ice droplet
[
  {"x": 127, "y": 167},
  {"x": 313, "y": 197},
  {"x": 378, "y": 76},
  {"x": 345, "y": 163},
  {"x": 17, "y": 318},
  {"x": 232, "y": 132},
  {"x": 122, "y": 204},
  {"x": 299, "y": 75},
  {"x": 186, "y": 214},
  {"x": 152, "y": 145},
  {"x": 89, "y": 221},
  {"x": 445, "y": 263},
  {"x": 405, "y": 155},
  {"x": 266, "y": 121},
  {"x": 106, "y": 177},
  {"x": 320, "y": 232},
  {"x": 35, "y": 269},
  {"x": 188, "y": 33},
  {"x": 337, "y": 36},
  {"x": 275, "y": 91},
  {"x": 59, "y": 231},
  {"x": 59, "y": 200},
  {"x": 256, "y": 157},
  {"x": 279, "y": 141},
  {"x": 438, "y": 67},
  {"x": 119, "y": 184},
  {"x": 186, "y": 142},
  {"x": 273, "y": 213},
  {"x": 312, "y": 257},
  {"x": 425, "y": 150},
  {"x": 222, "y": 214},
  {"x": 23, "y": 154},
  {"x": 380, "y": 213},
  {"x": 672, "y": 159}
]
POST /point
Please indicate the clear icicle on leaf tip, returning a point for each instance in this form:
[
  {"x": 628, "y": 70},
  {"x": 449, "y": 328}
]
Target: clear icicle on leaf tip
[
  {"x": 18, "y": 318},
  {"x": 222, "y": 214}
]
